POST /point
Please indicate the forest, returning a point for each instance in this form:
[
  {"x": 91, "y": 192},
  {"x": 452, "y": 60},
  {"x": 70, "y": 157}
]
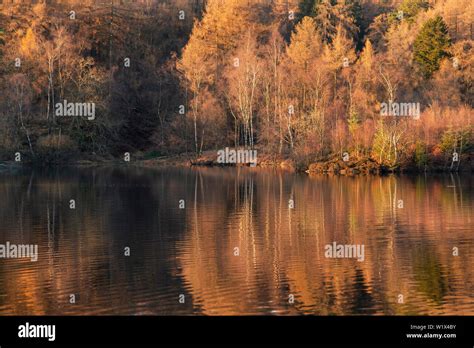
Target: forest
[{"x": 301, "y": 81}]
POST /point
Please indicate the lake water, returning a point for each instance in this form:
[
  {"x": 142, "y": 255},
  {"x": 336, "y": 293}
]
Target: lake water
[{"x": 247, "y": 241}]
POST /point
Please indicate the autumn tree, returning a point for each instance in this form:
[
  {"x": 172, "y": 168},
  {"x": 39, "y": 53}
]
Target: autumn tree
[
  {"x": 306, "y": 44},
  {"x": 307, "y": 88},
  {"x": 244, "y": 85},
  {"x": 338, "y": 55},
  {"x": 209, "y": 52},
  {"x": 275, "y": 76}
]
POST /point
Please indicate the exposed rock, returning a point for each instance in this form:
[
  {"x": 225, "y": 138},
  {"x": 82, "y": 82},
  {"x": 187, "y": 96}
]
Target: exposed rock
[{"x": 337, "y": 166}]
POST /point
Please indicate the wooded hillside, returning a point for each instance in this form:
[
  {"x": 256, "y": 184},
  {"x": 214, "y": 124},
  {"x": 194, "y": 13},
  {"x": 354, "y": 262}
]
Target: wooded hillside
[{"x": 304, "y": 80}]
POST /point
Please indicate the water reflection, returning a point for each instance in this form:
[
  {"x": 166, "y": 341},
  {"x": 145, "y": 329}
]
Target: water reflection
[{"x": 238, "y": 246}]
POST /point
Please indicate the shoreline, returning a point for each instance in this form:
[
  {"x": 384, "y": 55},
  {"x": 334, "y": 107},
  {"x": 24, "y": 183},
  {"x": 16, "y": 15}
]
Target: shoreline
[{"x": 331, "y": 165}]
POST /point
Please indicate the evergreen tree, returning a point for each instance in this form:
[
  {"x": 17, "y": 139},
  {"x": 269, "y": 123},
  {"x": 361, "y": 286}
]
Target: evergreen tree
[
  {"x": 357, "y": 14},
  {"x": 329, "y": 14},
  {"x": 355, "y": 9},
  {"x": 326, "y": 20},
  {"x": 431, "y": 46},
  {"x": 409, "y": 9},
  {"x": 307, "y": 7}
]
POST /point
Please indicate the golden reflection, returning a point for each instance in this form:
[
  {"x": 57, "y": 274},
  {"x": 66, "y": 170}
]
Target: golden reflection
[{"x": 239, "y": 246}]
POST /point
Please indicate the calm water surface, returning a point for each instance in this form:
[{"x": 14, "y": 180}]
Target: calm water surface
[{"x": 408, "y": 225}]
